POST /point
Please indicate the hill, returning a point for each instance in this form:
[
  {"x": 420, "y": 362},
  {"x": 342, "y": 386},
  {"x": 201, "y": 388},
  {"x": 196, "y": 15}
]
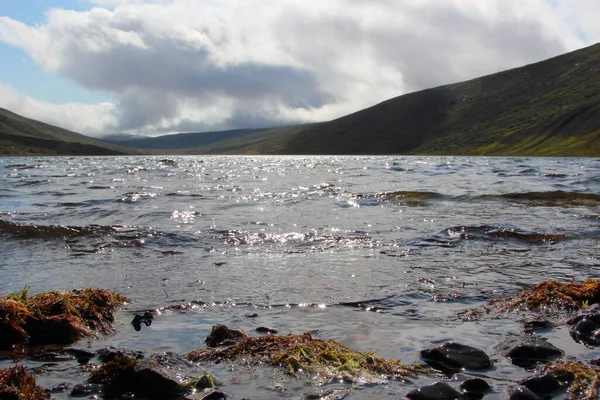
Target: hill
[
  {"x": 180, "y": 140},
  {"x": 550, "y": 108},
  {"x": 24, "y": 136}
]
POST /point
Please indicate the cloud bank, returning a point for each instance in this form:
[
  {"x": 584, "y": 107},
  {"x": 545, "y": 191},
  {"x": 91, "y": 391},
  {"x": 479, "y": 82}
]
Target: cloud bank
[{"x": 186, "y": 65}]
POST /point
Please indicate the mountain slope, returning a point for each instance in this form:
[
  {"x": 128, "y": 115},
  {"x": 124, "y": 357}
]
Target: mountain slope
[
  {"x": 24, "y": 136},
  {"x": 548, "y": 108}
]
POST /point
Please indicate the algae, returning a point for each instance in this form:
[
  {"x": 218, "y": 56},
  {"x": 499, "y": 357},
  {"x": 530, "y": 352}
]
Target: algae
[
  {"x": 56, "y": 317},
  {"x": 16, "y": 383},
  {"x": 582, "y": 380},
  {"x": 549, "y": 297},
  {"x": 114, "y": 371},
  {"x": 324, "y": 360}
]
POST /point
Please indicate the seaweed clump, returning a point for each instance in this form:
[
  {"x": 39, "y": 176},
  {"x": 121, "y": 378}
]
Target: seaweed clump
[
  {"x": 549, "y": 296},
  {"x": 16, "y": 383},
  {"x": 324, "y": 359},
  {"x": 120, "y": 368},
  {"x": 582, "y": 380},
  {"x": 56, "y": 317}
]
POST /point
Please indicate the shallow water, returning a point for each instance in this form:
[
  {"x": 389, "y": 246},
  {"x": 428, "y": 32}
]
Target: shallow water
[{"x": 378, "y": 253}]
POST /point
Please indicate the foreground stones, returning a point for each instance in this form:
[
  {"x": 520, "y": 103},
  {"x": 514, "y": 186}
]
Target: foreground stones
[
  {"x": 453, "y": 357},
  {"x": 527, "y": 352},
  {"x": 56, "y": 317}
]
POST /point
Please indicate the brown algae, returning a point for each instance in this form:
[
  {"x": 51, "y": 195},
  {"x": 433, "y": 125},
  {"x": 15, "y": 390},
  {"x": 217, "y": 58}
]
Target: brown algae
[
  {"x": 323, "y": 359},
  {"x": 16, "y": 383},
  {"x": 56, "y": 317},
  {"x": 582, "y": 380},
  {"x": 113, "y": 372}
]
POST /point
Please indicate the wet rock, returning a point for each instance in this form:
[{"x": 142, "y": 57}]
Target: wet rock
[
  {"x": 475, "y": 385},
  {"x": 537, "y": 325},
  {"x": 221, "y": 335},
  {"x": 86, "y": 390},
  {"x": 527, "y": 352},
  {"x": 51, "y": 357},
  {"x": 158, "y": 376},
  {"x": 214, "y": 395},
  {"x": 585, "y": 325},
  {"x": 59, "y": 388},
  {"x": 266, "y": 329},
  {"x": 435, "y": 391},
  {"x": 109, "y": 353},
  {"x": 82, "y": 356},
  {"x": 522, "y": 393},
  {"x": 541, "y": 384},
  {"x": 453, "y": 357}
]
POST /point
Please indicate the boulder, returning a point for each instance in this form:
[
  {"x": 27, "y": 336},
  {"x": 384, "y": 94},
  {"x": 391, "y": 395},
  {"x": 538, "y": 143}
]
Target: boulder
[
  {"x": 527, "y": 352},
  {"x": 522, "y": 393},
  {"x": 452, "y": 357},
  {"x": 585, "y": 326},
  {"x": 541, "y": 384}
]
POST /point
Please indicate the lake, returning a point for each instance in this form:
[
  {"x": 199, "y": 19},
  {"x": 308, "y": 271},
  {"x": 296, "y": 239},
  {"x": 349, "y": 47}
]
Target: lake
[{"x": 378, "y": 253}]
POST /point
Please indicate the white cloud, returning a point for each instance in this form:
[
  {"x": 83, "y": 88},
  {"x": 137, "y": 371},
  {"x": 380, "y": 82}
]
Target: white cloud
[{"x": 185, "y": 65}]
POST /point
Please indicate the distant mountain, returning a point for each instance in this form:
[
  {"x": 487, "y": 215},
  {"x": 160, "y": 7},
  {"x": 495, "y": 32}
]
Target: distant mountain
[
  {"x": 180, "y": 140},
  {"x": 550, "y": 108},
  {"x": 24, "y": 136}
]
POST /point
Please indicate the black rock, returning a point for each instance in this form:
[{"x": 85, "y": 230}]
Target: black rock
[
  {"x": 145, "y": 319},
  {"x": 59, "y": 388},
  {"x": 527, "y": 352},
  {"x": 537, "y": 325},
  {"x": 541, "y": 384},
  {"x": 453, "y": 357},
  {"x": 220, "y": 335},
  {"x": 266, "y": 329},
  {"x": 585, "y": 325},
  {"x": 86, "y": 390},
  {"x": 522, "y": 393},
  {"x": 475, "y": 385},
  {"x": 435, "y": 391},
  {"x": 83, "y": 356}
]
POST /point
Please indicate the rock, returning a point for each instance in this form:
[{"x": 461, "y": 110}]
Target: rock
[
  {"x": 475, "y": 385},
  {"x": 82, "y": 356},
  {"x": 266, "y": 329},
  {"x": 584, "y": 326},
  {"x": 453, "y": 357},
  {"x": 541, "y": 384},
  {"x": 527, "y": 352},
  {"x": 158, "y": 376},
  {"x": 537, "y": 325},
  {"x": 522, "y": 393},
  {"x": 220, "y": 335},
  {"x": 435, "y": 391},
  {"x": 86, "y": 390},
  {"x": 51, "y": 357}
]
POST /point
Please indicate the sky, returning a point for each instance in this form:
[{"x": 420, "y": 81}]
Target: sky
[{"x": 153, "y": 67}]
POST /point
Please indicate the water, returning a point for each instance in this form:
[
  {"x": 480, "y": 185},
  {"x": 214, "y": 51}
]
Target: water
[{"x": 342, "y": 246}]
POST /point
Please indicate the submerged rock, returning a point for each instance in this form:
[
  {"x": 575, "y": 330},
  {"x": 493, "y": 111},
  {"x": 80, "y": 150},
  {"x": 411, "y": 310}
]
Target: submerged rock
[
  {"x": 527, "y": 352},
  {"x": 453, "y": 357},
  {"x": 435, "y": 391},
  {"x": 220, "y": 335},
  {"x": 522, "y": 393}
]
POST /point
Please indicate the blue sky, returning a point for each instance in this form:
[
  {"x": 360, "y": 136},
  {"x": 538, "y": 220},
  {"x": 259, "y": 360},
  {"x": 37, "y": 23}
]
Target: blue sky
[
  {"x": 23, "y": 74},
  {"x": 151, "y": 67}
]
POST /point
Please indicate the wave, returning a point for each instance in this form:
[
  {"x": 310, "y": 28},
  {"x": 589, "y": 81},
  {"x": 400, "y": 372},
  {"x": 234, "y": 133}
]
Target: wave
[{"x": 53, "y": 231}]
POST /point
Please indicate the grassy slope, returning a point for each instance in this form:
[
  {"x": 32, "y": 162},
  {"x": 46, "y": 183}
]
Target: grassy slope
[
  {"x": 547, "y": 108},
  {"x": 24, "y": 136}
]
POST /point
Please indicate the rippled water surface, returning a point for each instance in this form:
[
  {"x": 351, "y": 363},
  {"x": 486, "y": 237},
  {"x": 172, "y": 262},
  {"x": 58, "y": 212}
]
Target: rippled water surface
[{"x": 378, "y": 253}]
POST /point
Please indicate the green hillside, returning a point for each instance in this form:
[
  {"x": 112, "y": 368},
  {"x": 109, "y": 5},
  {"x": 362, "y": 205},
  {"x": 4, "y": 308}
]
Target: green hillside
[
  {"x": 24, "y": 136},
  {"x": 550, "y": 108}
]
